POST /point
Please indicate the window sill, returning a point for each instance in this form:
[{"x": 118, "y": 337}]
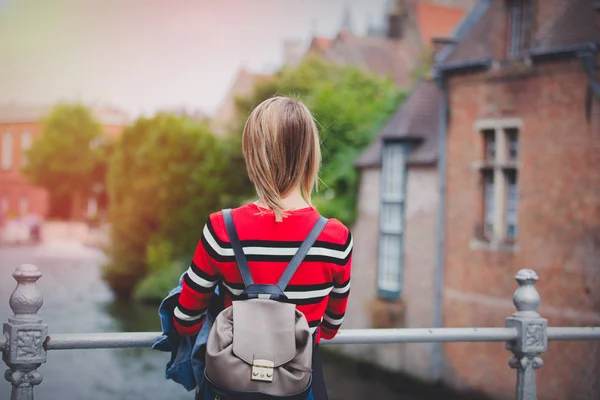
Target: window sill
[
  {"x": 479, "y": 165},
  {"x": 478, "y": 244}
]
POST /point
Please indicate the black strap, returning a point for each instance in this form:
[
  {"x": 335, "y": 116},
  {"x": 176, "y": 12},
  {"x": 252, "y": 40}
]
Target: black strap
[
  {"x": 291, "y": 268},
  {"x": 237, "y": 248}
]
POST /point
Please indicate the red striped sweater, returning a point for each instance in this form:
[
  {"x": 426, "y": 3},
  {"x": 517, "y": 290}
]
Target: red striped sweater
[{"x": 319, "y": 288}]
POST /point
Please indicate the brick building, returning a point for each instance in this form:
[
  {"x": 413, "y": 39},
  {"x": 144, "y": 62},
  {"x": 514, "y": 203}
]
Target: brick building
[
  {"x": 515, "y": 120},
  {"x": 19, "y": 127},
  {"x": 523, "y": 187},
  {"x": 398, "y": 206}
]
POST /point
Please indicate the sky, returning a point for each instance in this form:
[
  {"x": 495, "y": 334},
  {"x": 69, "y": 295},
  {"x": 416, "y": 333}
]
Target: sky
[{"x": 146, "y": 55}]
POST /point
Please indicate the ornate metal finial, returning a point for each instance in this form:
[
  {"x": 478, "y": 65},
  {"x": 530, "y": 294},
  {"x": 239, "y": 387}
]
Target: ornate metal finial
[
  {"x": 526, "y": 298},
  {"x": 532, "y": 335},
  {"x": 26, "y": 300},
  {"x": 25, "y": 332}
]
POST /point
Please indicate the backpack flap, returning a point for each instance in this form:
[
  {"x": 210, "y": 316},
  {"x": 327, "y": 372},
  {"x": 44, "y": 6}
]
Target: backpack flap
[{"x": 264, "y": 330}]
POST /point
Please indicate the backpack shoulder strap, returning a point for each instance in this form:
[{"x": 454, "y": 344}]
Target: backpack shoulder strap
[
  {"x": 291, "y": 268},
  {"x": 240, "y": 257}
]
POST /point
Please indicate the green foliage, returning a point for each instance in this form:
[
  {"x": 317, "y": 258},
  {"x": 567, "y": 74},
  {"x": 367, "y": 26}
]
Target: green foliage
[
  {"x": 154, "y": 287},
  {"x": 167, "y": 174},
  {"x": 350, "y": 107},
  {"x": 64, "y": 159}
]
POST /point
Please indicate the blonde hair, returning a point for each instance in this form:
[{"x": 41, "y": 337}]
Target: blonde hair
[{"x": 281, "y": 148}]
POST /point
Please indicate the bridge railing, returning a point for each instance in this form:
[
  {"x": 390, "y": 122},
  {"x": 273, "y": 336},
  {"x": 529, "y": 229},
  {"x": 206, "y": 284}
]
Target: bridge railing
[{"x": 25, "y": 341}]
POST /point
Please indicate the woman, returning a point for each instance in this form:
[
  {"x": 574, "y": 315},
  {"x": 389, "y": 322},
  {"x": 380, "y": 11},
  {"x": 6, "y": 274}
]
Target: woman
[{"x": 282, "y": 152}]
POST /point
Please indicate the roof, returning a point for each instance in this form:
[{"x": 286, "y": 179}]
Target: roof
[
  {"x": 474, "y": 37},
  {"x": 576, "y": 24},
  {"x": 415, "y": 120},
  {"x": 379, "y": 55},
  {"x": 569, "y": 23},
  {"x": 320, "y": 44},
  {"x": 435, "y": 21},
  {"x": 17, "y": 113}
]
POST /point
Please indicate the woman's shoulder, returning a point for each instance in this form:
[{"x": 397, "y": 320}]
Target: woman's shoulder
[
  {"x": 336, "y": 232},
  {"x": 216, "y": 222}
]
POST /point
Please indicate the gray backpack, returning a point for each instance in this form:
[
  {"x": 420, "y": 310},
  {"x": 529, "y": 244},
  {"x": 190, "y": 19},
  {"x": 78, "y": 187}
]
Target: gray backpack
[{"x": 261, "y": 346}]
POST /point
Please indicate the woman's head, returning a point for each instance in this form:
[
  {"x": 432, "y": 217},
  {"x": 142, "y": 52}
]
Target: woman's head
[{"x": 282, "y": 151}]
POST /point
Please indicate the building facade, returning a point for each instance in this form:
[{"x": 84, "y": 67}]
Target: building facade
[
  {"x": 19, "y": 127},
  {"x": 398, "y": 207},
  {"x": 523, "y": 187},
  {"x": 517, "y": 185}
]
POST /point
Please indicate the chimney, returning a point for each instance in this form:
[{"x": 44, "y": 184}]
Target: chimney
[{"x": 396, "y": 20}]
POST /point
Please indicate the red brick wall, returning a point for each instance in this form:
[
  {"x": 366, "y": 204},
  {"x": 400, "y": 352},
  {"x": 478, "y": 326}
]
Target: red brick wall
[
  {"x": 13, "y": 185},
  {"x": 559, "y": 226}
]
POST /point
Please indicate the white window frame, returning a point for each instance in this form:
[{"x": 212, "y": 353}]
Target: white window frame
[
  {"x": 6, "y": 155},
  {"x": 501, "y": 167},
  {"x": 390, "y": 260}
]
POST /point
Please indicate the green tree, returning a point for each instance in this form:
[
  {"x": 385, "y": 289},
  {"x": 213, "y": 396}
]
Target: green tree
[
  {"x": 64, "y": 158},
  {"x": 167, "y": 174},
  {"x": 350, "y": 107}
]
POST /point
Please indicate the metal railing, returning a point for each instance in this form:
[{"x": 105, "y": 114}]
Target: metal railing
[{"x": 25, "y": 341}]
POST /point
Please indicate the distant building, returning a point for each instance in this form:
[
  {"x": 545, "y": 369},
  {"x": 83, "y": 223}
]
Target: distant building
[
  {"x": 387, "y": 50},
  {"x": 293, "y": 52},
  {"x": 243, "y": 84},
  {"x": 394, "y": 46},
  {"x": 398, "y": 200},
  {"x": 521, "y": 188},
  {"x": 19, "y": 127}
]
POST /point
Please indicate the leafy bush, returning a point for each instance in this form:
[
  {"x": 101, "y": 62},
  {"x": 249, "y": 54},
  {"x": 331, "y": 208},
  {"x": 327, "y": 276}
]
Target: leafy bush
[
  {"x": 350, "y": 107},
  {"x": 154, "y": 287},
  {"x": 167, "y": 174}
]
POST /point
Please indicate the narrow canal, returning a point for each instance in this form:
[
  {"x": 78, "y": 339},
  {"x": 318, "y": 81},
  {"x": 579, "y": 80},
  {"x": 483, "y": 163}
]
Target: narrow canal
[{"x": 76, "y": 300}]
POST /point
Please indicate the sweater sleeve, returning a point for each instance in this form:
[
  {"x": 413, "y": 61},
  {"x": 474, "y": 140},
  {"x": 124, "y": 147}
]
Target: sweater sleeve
[
  {"x": 198, "y": 286},
  {"x": 338, "y": 298}
]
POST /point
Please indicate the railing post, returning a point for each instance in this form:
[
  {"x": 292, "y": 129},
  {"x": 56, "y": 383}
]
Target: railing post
[
  {"x": 25, "y": 334},
  {"x": 533, "y": 337}
]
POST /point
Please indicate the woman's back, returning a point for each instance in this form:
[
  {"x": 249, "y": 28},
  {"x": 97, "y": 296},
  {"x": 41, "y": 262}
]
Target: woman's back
[
  {"x": 319, "y": 288},
  {"x": 282, "y": 152}
]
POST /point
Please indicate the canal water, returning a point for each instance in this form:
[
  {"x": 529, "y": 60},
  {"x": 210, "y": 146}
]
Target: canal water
[{"x": 76, "y": 300}]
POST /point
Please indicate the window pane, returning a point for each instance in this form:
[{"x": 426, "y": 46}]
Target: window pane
[
  {"x": 515, "y": 15},
  {"x": 390, "y": 262},
  {"x": 488, "y": 201},
  {"x": 511, "y": 204},
  {"x": 489, "y": 140},
  {"x": 512, "y": 136},
  {"x": 391, "y": 218},
  {"x": 393, "y": 172},
  {"x": 7, "y": 150}
]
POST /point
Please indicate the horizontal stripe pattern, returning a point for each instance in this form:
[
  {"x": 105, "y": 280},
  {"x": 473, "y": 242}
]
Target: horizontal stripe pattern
[
  {"x": 275, "y": 251},
  {"x": 320, "y": 292},
  {"x": 297, "y": 294}
]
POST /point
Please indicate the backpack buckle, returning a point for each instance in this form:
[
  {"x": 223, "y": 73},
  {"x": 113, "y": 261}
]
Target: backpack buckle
[{"x": 262, "y": 370}]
